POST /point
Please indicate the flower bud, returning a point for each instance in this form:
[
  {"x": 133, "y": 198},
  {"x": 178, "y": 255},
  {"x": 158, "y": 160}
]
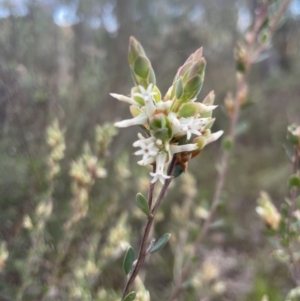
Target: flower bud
[
  {"x": 192, "y": 88},
  {"x": 200, "y": 141},
  {"x": 209, "y": 99},
  {"x": 193, "y": 80},
  {"x": 293, "y": 134},
  {"x": 229, "y": 104},
  {"x": 195, "y": 56},
  {"x": 161, "y": 127},
  {"x": 135, "y": 49},
  {"x": 198, "y": 68},
  {"x": 241, "y": 57},
  {"x": 183, "y": 70},
  {"x": 141, "y": 69},
  {"x": 268, "y": 211}
]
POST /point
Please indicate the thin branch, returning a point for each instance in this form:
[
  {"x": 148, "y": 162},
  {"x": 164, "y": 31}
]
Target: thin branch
[
  {"x": 293, "y": 194},
  {"x": 151, "y": 191},
  {"x": 144, "y": 243},
  {"x": 273, "y": 23},
  {"x": 279, "y": 15},
  {"x": 242, "y": 80}
]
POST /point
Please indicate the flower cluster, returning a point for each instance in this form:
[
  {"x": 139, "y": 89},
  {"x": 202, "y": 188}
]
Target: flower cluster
[
  {"x": 173, "y": 125},
  {"x": 268, "y": 211},
  {"x": 56, "y": 142}
]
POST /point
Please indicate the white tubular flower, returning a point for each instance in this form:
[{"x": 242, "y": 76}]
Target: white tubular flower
[
  {"x": 213, "y": 137},
  {"x": 140, "y": 119},
  {"x": 182, "y": 148},
  {"x": 164, "y": 105},
  {"x": 159, "y": 173},
  {"x": 175, "y": 124},
  {"x": 148, "y": 149},
  {"x": 147, "y": 94},
  {"x": 202, "y": 108},
  {"x": 148, "y": 161},
  {"x": 124, "y": 99}
]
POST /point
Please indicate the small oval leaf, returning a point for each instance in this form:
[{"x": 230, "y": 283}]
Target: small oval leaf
[
  {"x": 142, "y": 67},
  {"x": 128, "y": 260},
  {"x": 294, "y": 181},
  {"x": 160, "y": 243},
  {"x": 130, "y": 296},
  {"x": 142, "y": 203},
  {"x": 179, "y": 88},
  {"x": 188, "y": 110}
]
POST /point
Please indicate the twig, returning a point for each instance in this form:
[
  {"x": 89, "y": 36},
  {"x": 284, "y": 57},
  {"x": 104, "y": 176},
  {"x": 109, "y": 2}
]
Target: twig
[
  {"x": 242, "y": 80},
  {"x": 293, "y": 191},
  {"x": 272, "y": 28},
  {"x": 293, "y": 194},
  {"x": 151, "y": 190},
  {"x": 144, "y": 243},
  {"x": 279, "y": 15}
]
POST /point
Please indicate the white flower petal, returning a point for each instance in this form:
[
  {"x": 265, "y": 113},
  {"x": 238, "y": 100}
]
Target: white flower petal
[
  {"x": 183, "y": 148},
  {"x": 163, "y": 105},
  {"x": 202, "y": 108},
  {"x": 147, "y": 95},
  {"x": 140, "y": 119},
  {"x": 139, "y": 152},
  {"x": 148, "y": 161},
  {"x": 213, "y": 137},
  {"x": 123, "y": 98},
  {"x": 192, "y": 125},
  {"x": 148, "y": 150}
]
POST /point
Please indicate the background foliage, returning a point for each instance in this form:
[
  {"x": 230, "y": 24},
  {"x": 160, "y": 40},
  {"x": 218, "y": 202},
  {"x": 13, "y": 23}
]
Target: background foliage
[{"x": 59, "y": 60}]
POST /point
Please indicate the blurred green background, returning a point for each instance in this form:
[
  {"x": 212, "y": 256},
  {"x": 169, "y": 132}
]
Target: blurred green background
[{"x": 61, "y": 59}]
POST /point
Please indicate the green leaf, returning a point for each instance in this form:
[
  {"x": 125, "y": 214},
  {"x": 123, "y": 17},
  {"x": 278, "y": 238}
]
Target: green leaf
[
  {"x": 160, "y": 243},
  {"x": 294, "y": 181},
  {"x": 128, "y": 260},
  {"x": 265, "y": 23},
  {"x": 284, "y": 210},
  {"x": 130, "y": 296},
  {"x": 192, "y": 87},
  {"x": 227, "y": 144},
  {"x": 142, "y": 67},
  {"x": 240, "y": 66},
  {"x": 178, "y": 170},
  {"x": 179, "y": 88},
  {"x": 142, "y": 203},
  {"x": 285, "y": 242},
  {"x": 151, "y": 77},
  {"x": 188, "y": 110}
]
